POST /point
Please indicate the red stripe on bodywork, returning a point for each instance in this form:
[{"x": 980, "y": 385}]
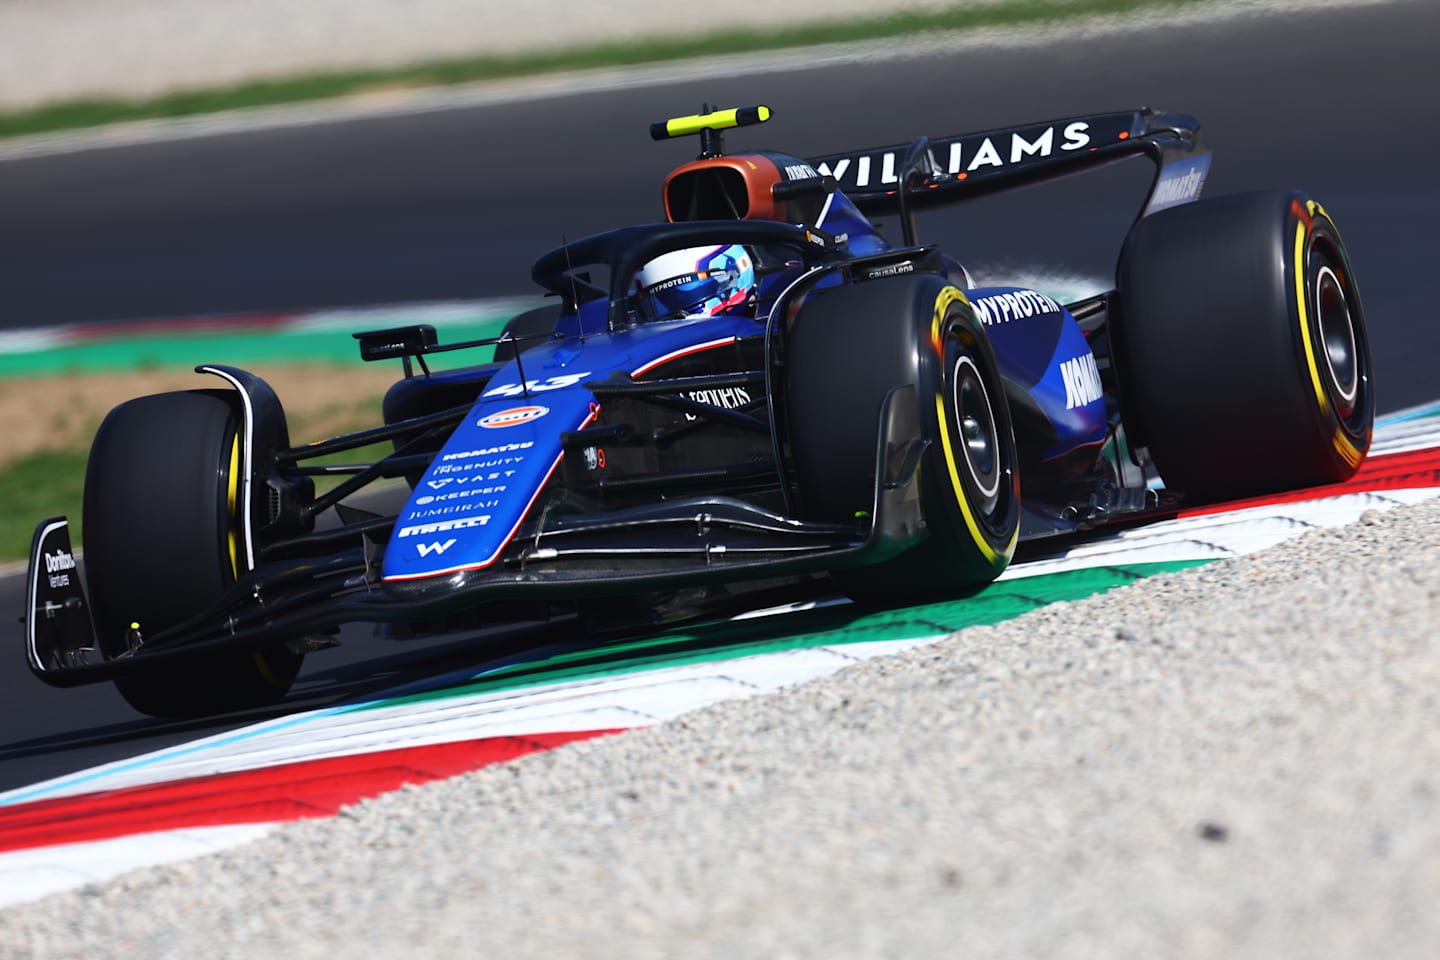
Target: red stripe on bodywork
[
  {"x": 294, "y": 791},
  {"x": 678, "y": 354},
  {"x": 1395, "y": 471}
]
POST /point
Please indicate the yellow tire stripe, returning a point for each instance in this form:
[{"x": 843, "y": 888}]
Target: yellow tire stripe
[
  {"x": 262, "y": 667},
  {"x": 948, "y": 296},
  {"x": 1304, "y": 314},
  {"x": 1350, "y": 453},
  {"x": 232, "y": 499}
]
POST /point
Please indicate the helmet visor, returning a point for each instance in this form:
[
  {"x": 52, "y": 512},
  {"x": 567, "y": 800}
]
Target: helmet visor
[{"x": 685, "y": 294}]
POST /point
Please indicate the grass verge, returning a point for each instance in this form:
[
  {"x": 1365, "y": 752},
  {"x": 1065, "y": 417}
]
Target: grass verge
[
  {"x": 42, "y": 485},
  {"x": 85, "y": 113},
  {"x": 46, "y": 477}
]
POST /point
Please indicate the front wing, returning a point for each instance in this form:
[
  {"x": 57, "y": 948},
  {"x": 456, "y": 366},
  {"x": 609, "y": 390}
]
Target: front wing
[{"x": 666, "y": 545}]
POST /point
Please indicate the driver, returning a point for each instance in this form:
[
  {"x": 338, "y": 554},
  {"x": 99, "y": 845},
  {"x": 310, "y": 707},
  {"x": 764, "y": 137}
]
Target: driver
[{"x": 695, "y": 282}]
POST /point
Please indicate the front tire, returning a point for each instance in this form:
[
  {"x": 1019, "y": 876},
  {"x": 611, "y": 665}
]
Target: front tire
[
  {"x": 845, "y": 352},
  {"x": 162, "y": 542},
  {"x": 1241, "y": 347}
]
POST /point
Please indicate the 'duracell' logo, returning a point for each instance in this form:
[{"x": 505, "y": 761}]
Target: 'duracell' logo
[{"x": 512, "y": 416}]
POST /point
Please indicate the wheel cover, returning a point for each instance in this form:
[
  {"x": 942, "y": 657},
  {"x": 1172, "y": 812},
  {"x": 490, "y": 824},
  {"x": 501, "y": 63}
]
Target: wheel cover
[
  {"x": 975, "y": 440},
  {"x": 975, "y": 426},
  {"x": 1337, "y": 340},
  {"x": 230, "y": 485},
  {"x": 1332, "y": 333}
]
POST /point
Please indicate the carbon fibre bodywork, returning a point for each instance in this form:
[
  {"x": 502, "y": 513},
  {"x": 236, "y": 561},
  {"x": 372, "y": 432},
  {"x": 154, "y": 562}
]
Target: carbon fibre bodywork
[{"x": 613, "y": 457}]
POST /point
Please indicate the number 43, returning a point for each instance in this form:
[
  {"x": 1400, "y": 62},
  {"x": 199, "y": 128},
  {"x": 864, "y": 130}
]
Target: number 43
[{"x": 538, "y": 386}]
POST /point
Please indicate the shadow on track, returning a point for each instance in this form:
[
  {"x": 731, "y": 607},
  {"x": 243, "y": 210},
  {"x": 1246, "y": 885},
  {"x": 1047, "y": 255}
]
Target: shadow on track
[
  {"x": 61, "y": 731},
  {"x": 64, "y": 730}
]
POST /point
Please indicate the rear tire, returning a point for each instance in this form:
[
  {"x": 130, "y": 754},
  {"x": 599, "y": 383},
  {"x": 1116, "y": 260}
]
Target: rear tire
[
  {"x": 1241, "y": 348},
  {"x": 162, "y": 543},
  {"x": 846, "y": 350}
]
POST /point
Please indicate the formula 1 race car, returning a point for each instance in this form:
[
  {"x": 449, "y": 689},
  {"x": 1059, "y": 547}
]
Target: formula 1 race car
[{"x": 761, "y": 387}]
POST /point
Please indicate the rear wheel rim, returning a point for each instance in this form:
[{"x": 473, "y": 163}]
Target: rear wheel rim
[
  {"x": 1336, "y": 327},
  {"x": 975, "y": 426}
]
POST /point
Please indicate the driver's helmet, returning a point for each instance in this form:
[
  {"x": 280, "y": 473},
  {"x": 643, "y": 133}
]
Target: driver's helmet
[{"x": 694, "y": 282}]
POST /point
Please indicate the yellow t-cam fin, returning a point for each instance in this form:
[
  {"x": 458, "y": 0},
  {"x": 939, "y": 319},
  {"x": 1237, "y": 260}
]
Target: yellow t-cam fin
[{"x": 715, "y": 120}]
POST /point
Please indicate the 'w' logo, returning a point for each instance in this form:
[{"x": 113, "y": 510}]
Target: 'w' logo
[{"x": 428, "y": 548}]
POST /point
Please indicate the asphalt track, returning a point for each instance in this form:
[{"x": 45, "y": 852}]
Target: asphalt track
[{"x": 455, "y": 204}]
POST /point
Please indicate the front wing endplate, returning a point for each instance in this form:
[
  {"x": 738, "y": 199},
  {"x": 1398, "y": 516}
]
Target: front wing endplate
[{"x": 59, "y": 633}]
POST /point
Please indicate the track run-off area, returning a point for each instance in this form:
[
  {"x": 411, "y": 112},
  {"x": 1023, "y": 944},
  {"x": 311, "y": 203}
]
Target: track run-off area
[
  {"x": 223, "y": 790},
  {"x": 1237, "y": 786}
]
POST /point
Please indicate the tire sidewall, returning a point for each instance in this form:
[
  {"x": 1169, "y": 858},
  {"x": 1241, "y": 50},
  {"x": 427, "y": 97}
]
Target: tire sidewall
[
  {"x": 1317, "y": 249},
  {"x": 162, "y": 542},
  {"x": 977, "y": 498},
  {"x": 1219, "y": 353},
  {"x": 846, "y": 350},
  {"x": 157, "y": 531}
]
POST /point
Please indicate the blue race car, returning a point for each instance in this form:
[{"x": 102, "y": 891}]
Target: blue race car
[{"x": 761, "y": 387}]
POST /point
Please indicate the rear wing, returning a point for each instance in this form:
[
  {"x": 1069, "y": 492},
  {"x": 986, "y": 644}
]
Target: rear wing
[{"x": 927, "y": 173}]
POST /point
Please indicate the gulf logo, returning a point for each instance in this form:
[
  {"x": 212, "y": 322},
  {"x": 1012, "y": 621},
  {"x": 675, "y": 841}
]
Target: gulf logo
[{"x": 512, "y": 416}]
